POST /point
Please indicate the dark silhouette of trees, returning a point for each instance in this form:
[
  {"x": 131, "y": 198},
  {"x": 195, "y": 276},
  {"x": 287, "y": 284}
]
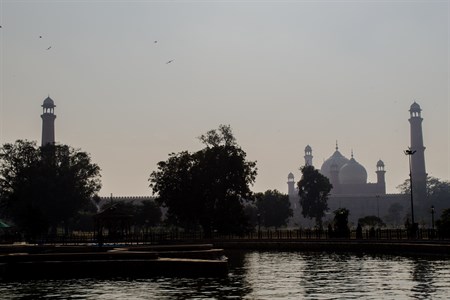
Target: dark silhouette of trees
[
  {"x": 437, "y": 194},
  {"x": 371, "y": 221},
  {"x": 148, "y": 214},
  {"x": 394, "y": 216},
  {"x": 274, "y": 208},
  {"x": 443, "y": 224},
  {"x": 143, "y": 214},
  {"x": 45, "y": 187},
  {"x": 208, "y": 187},
  {"x": 341, "y": 229},
  {"x": 314, "y": 190}
]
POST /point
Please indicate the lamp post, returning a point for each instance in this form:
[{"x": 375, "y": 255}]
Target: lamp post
[
  {"x": 259, "y": 225},
  {"x": 432, "y": 217},
  {"x": 410, "y": 153}
]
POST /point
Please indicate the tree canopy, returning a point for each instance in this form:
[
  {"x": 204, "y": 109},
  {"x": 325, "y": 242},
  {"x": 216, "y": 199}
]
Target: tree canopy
[
  {"x": 208, "y": 187},
  {"x": 443, "y": 223},
  {"x": 274, "y": 208},
  {"x": 341, "y": 223},
  {"x": 395, "y": 215},
  {"x": 314, "y": 190},
  {"x": 371, "y": 221},
  {"x": 42, "y": 187},
  {"x": 438, "y": 195}
]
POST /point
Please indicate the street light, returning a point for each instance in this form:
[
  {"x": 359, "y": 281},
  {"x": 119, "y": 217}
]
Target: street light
[
  {"x": 410, "y": 153},
  {"x": 432, "y": 217},
  {"x": 259, "y": 225}
]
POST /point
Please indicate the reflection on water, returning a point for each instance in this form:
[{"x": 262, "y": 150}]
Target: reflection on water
[{"x": 268, "y": 275}]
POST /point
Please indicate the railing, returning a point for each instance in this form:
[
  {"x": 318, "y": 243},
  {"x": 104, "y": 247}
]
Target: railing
[{"x": 163, "y": 236}]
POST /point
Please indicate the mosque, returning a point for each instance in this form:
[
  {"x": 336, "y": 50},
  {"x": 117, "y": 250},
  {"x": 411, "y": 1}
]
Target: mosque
[
  {"x": 348, "y": 177},
  {"x": 352, "y": 191}
]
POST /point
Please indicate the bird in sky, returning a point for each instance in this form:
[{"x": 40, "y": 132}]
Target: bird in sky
[
  {"x": 40, "y": 36},
  {"x": 49, "y": 48},
  {"x": 170, "y": 61},
  {"x": 155, "y": 42}
]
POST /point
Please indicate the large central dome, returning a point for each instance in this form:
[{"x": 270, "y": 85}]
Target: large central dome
[
  {"x": 352, "y": 173},
  {"x": 336, "y": 159}
]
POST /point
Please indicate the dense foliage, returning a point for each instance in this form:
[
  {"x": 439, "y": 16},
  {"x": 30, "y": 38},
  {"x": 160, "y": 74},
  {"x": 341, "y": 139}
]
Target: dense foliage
[
  {"x": 144, "y": 214},
  {"x": 45, "y": 187},
  {"x": 208, "y": 187},
  {"x": 314, "y": 190},
  {"x": 395, "y": 215},
  {"x": 371, "y": 221},
  {"x": 341, "y": 229},
  {"x": 437, "y": 195},
  {"x": 274, "y": 208},
  {"x": 443, "y": 224}
]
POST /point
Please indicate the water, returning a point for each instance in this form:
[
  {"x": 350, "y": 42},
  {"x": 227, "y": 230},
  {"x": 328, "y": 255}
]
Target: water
[{"x": 268, "y": 275}]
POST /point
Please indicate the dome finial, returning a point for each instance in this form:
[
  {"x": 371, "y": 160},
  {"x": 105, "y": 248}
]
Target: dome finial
[
  {"x": 337, "y": 148},
  {"x": 352, "y": 152}
]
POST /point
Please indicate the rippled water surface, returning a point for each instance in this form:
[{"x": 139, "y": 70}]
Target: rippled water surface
[{"x": 268, "y": 275}]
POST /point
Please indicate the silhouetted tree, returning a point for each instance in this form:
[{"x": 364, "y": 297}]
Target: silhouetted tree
[
  {"x": 274, "y": 208},
  {"x": 443, "y": 224},
  {"x": 314, "y": 190},
  {"x": 148, "y": 214},
  {"x": 208, "y": 187},
  {"x": 251, "y": 213},
  {"x": 438, "y": 195},
  {"x": 44, "y": 187},
  {"x": 394, "y": 216},
  {"x": 341, "y": 223},
  {"x": 371, "y": 221}
]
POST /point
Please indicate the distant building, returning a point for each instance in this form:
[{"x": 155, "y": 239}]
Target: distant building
[
  {"x": 136, "y": 200},
  {"x": 351, "y": 189}
]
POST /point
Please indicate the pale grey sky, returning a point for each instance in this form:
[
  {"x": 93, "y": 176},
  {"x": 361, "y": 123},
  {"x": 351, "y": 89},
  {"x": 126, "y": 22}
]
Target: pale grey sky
[{"x": 282, "y": 74}]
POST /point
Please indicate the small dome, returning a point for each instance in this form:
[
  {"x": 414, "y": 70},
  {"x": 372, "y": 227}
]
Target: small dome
[
  {"x": 290, "y": 176},
  {"x": 353, "y": 173},
  {"x": 380, "y": 163},
  {"x": 48, "y": 103},
  {"x": 308, "y": 148},
  {"x": 336, "y": 159},
  {"x": 415, "y": 107}
]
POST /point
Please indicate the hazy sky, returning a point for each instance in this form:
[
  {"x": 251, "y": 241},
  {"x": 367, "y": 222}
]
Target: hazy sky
[{"x": 283, "y": 74}]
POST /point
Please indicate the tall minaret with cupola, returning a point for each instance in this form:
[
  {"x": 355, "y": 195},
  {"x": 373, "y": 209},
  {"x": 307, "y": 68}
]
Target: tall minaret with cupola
[
  {"x": 308, "y": 156},
  {"x": 418, "y": 173},
  {"x": 381, "y": 182},
  {"x": 48, "y": 122}
]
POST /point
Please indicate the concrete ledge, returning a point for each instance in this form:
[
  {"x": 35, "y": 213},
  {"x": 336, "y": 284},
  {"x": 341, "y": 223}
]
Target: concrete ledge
[
  {"x": 355, "y": 246},
  {"x": 45, "y": 262},
  {"x": 135, "y": 268}
]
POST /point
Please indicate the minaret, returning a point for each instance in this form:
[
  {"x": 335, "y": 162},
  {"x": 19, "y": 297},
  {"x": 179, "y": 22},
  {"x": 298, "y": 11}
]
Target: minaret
[
  {"x": 48, "y": 122},
  {"x": 291, "y": 184},
  {"x": 308, "y": 156},
  {"x": 381, "y": 182},
  {"x": 418, "y": 173}
]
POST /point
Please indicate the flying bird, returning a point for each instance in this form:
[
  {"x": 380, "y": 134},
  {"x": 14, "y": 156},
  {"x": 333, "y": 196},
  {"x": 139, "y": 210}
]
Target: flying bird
[
  {"x": 49, "y": 48},
  {"x": 155, "y": 42},
  {"x": 40, "y": 36},
  {"x": 170, "y": 61}
]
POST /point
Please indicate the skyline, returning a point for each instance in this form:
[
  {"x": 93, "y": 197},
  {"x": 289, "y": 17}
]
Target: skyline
[{"x": 283, "y": 75}]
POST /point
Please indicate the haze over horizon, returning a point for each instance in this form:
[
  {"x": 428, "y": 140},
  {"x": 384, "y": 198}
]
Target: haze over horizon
[{"x": 283, "y": 75}]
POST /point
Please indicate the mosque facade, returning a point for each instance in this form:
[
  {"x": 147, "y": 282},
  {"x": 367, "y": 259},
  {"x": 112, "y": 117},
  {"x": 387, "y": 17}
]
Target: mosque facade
[{"x": 352, "y": 191}]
